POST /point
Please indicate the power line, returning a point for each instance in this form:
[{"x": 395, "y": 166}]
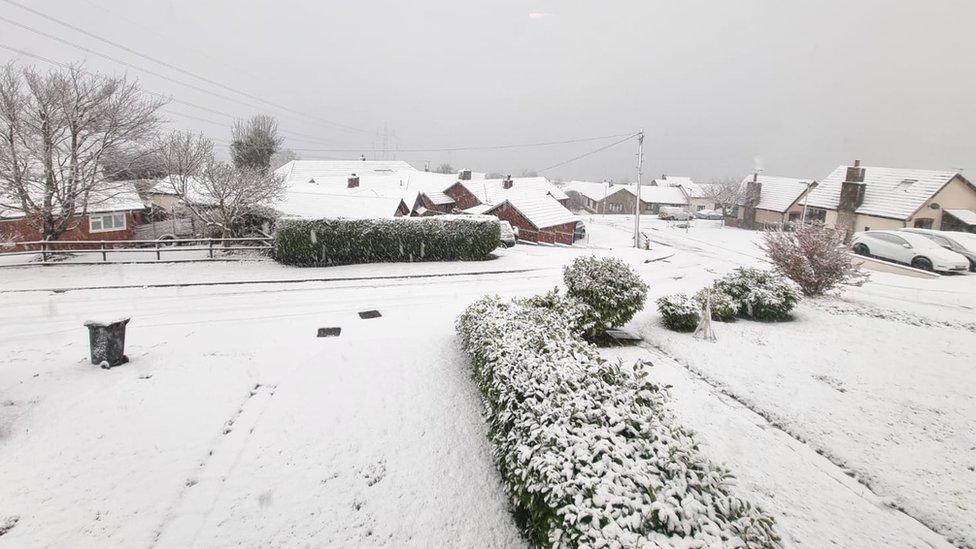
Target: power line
[
  {"x": 293, "y": 134},
  {"x": 584, "y": 155},
  {"x": 475, "y": 148},
  {"x": 175, "y": 67}
]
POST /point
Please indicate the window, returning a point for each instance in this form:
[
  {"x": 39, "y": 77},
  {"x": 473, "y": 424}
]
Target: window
[
  {"x": 905, "y": 184},
  {"x": 889, "y": 238},
  {"x": 924, "y": 223},
  {"x": 818, "y": 215},
  {"x": 701, "y": 207},
  {"x": 100, "y": 223}
]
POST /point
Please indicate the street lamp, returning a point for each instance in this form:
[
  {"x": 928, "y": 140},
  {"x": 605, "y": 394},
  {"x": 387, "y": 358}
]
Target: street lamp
[{"x": 806, "y": 197}]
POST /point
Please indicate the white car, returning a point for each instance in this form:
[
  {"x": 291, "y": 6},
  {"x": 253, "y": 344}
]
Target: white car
[
  {"x": 508, "y": 234},
  {"x": 957, "y": 241},
  {"x": 909, "y": 248}
]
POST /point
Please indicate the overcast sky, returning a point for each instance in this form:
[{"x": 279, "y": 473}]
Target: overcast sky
[{"x": 720, "y": 87}]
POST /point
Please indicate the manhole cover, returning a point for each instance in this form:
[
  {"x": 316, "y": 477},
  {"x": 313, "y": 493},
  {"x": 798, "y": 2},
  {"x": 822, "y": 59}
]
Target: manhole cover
[
  {"x": 329, "y": 332},
  {"x": 369, "y": 314}
]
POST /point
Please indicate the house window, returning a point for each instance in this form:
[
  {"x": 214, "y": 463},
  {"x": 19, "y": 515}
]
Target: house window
[
  {"x": 924, "y": 223},
  {"x": 817, "y": 215},
  {"x": 100, "y": 223}
]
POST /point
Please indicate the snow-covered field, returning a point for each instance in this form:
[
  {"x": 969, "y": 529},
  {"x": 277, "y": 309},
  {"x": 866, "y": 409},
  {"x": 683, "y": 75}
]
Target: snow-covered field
[{"x": 235, "y": 425}]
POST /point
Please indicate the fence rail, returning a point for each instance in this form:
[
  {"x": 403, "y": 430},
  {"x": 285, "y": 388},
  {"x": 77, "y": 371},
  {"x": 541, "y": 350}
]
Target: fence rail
[{"x": 51, "y": 249}]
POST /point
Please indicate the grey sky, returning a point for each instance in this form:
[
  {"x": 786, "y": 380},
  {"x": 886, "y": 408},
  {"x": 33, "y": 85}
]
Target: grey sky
[{"x": 795, "y": 87}]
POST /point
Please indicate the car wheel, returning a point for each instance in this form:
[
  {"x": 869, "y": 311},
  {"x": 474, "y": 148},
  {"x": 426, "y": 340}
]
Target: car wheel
[
  {"x": 922, "y": 263},
  {"x": 861, "y": 249}
]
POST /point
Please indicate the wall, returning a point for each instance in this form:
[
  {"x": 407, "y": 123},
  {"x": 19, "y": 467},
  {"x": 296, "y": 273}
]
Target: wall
[
  {"x": 20, "y": 230},
  {"x": 957, "y": 195},
  {"x": 462, "y": 197},
  {"x": 699, "y": 204}
]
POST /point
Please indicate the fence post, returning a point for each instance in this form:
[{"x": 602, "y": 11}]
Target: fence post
[
  {"x": 210, "y": 242},
  {"x": 44, "y": 251},
  {"x": 157, "y": 250},
  {"x": 104, "y": 256}
]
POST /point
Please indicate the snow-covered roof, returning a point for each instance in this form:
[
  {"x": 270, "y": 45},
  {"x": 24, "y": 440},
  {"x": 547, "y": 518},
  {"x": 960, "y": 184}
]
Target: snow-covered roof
[
  {"x": 317, "y": 206},
  {"x": 541, "y": 211},
  {"x": 306, "y": 170},
  {"x": 779, "y": 193},
  {"x": 590, "y": 189},
  {"x": 691, "y": 189},
  {"x": 438, "y": 197},
  {"x": 889, "y": 192},
  {"x": 966, "y": 216},
  {"x": 649, "y": 193},
  {"x": 493, "y": 191},
  {"x": 479, "y": 209},
  {"x": 114, "y": 196}
]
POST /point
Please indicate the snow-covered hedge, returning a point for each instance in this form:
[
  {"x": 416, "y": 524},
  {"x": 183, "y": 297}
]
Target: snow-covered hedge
[
  {"x": 724, "y": 308},
  {"x": 612, "y": 290},
  {"x": 680, "y": 312},
  {"x": 761, "y": 295},
  {"x": 587, "y": 450},
  {"x": 323, "y": 242}
]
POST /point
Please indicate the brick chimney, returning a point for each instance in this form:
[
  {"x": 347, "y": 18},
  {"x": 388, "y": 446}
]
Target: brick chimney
[
  {"x": 353, "y": 181},
  {"x": 851, "y": 197},
  {"x": 753, "y": 193},
  {"x": 464, "y": 175},
  {"x": 507, "y": 183}
]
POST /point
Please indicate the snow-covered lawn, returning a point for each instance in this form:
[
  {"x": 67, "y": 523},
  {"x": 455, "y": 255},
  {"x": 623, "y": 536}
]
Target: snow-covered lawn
[{"x": 234, "y": 424}]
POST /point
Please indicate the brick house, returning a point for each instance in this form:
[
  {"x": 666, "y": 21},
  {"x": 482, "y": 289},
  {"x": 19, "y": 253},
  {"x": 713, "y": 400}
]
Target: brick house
[
  {"x": 467, "y": 193},
  {"x": 109, "y": 217},
  {"x": 432, "y": 203},
  {"x": 539, "y": 219},
  {"x": 860, "y": 198},
  {"x": 603, "y": 198}
]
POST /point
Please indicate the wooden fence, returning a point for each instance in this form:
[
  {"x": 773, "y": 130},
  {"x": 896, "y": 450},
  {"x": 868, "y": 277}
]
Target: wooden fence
[{"x": 53, "y": 251}]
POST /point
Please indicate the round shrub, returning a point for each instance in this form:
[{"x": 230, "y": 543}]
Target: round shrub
[
  {"x": 680, "y": 312},
  {"x": 761, "y": 295},
  {"x": 577, "y": 314},
  {"x": 611, "y": 289},
  {"x": 724, "y": 308}
]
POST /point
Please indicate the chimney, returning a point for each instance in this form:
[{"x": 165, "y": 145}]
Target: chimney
[
  {"x": 852, "y": 189},
  {"x": 464, "y": 175},
  {"x": 753, "y": 192},
  {"x": 507, "y": 184},
  {"x": 353, "y": 181}
]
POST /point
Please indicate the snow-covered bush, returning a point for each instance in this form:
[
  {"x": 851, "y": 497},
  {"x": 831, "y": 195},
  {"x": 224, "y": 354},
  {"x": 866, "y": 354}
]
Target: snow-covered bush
[
  {"x": 323, "y": 242},
  {"x": 612, "y": 290},
  {"x": 680, "y": 312},
  {"x": 578, "y": 314},
  {"x": 724, "y": 308},
  {"x": 760, "y": 294},
  {"x": 587, "y": 449},
  {"x": 813, "y": 256}
]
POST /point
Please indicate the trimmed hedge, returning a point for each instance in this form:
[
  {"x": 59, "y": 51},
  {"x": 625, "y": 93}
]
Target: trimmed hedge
[
  {"x": 587, "y": 450},
  {"x": 761, "y": 295},
  {"x": 680, "y": 312},
  {"x": 324, "y": 242}
]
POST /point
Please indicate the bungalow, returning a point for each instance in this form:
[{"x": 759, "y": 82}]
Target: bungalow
[
  {"x": 539, "y": 219},
  {"x": 471, "y": 192},
  {"x": 770, "y": 201},
  {"x": 859, "y": 198},
  {"x": 604, "y": 198},
  {"x": 112, "y": 214},
  {"x": 697, "y": 195}
]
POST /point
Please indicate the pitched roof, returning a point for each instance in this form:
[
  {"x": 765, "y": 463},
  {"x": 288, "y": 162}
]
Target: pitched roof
[
  {"x": 590, "y": 189},
  {"x": 779, "y": 193},
  {"x": 438, "y": 197},
  {"x": 649, "y": 193},
  {"x": 966, "y": 216},
  {"x": 493, "y": 191},
  {"x": 541, "y": 211},
  {"x": 318, "y": 206},
  {"x": 305, "y": 170},
  {"x": 113, "y": 196},
  {"x": 889, "y": 192}
]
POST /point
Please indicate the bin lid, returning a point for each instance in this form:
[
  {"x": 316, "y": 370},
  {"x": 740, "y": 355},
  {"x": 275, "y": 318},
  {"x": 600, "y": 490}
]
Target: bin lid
[{"x": 100, "y": 324}]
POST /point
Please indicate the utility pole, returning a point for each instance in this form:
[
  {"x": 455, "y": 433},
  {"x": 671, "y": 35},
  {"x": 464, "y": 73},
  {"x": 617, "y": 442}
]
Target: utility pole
[{"x": 640, "y": 169}]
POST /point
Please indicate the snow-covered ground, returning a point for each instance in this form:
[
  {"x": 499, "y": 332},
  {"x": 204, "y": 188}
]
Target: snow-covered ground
[{"x": 234, "y": 424}]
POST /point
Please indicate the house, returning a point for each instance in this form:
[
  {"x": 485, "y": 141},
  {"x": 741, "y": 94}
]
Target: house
[
  {"x": 604, "y": 198},
  {"x": 859, "y": 198},
  {"x": 539, "y": 219},
  {"x": 697, "y": 194},
  {"x": 467, "y": 193},
  {"x": 770, "y": 201},
  {"x": 112, "y": 214}
]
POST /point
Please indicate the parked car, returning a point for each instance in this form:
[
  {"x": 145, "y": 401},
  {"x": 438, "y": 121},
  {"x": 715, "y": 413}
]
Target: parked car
[
  {"x": 909, "y": 248},
  {"x": 709, "y": 214},
  {"x": 957, "y": 241},
  {"x": 674, "y": 213},
  {"x": 509, "y": 235}
]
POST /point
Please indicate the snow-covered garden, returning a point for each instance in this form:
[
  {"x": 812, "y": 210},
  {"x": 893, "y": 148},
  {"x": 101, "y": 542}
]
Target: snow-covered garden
[{"x": 850, "y": 425}]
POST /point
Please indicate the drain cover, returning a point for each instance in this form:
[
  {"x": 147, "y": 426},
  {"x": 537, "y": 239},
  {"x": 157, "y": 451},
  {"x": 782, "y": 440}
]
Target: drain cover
[
  {"x": 329, "y": 332},
  {"x": 369, "y": 314}
]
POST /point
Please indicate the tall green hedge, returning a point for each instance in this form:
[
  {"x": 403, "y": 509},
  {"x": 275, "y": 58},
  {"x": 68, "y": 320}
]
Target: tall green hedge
[{"x": 324, "y": 242}]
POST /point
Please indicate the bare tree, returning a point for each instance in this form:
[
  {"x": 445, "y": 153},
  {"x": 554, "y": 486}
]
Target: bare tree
[
  {"x": 217, "y": 193},
  {"x": 445, "y": 168},
  {"x": 726, "y": 192},
  {"x": 254, "y": 142},
  {"x": 55, "y": 131},
  {"x": 814, "y": 257}
]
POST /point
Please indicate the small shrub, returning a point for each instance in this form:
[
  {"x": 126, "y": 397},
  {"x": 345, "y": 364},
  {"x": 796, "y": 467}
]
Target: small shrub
[
  {"x": 324, "y": 242},
  {"x": 611, "y": 289},
  {"x": 814, "y": 257},
  {"x": 578, "y": 314},
  {"x": 588, "y": 451},
  {"x": 680, "y": 312},
  {"x": 760, "y": 295},
  {"x": 724, "y": 308}
]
